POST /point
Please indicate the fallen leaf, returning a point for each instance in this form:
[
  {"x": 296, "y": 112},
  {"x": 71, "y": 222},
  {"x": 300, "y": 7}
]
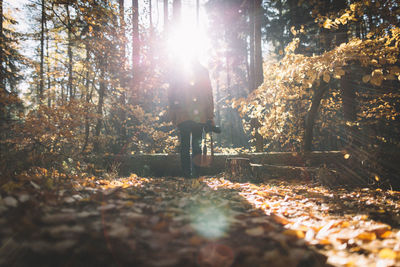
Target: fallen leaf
[
  {"x": 367, "y": 236},
  {"x": 196, "y": 240},
  {"x": 215, "y": 255},
  {"x": 279, "y": 219},
  {"x": 294, "y": 233},
  {"x": 256, "y": 231},
  {"x": 387, "y": 253},
  {"x": 10, "y": 201}
]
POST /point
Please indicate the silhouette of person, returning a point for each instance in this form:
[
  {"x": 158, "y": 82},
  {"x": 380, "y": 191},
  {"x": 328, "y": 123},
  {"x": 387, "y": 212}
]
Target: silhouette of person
[{"x": 191, "y": 106}]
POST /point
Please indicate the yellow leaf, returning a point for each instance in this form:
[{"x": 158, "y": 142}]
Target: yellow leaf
[
  {"x": 295, "y": 233},
  {"x": 327, "y": 24},
  {"x": 293, "y": 30},
  {"x": 377, "y": 72},
  {"x": 395, "y": 70},
  {"x": 339, "y": 72},
  {"x": 366, "y": 78},
  {"x": 367, "y": 236},
  {"x": 257, "y": 231},
  {"x": 324, "y": 242},
  {"x": 377, "y": 80},
  {"x": 279, "y": 219},
  {"x": 326, "y": 77},
  {"x": 387, "y": 253},
  {"x": 386, "y": 234}
]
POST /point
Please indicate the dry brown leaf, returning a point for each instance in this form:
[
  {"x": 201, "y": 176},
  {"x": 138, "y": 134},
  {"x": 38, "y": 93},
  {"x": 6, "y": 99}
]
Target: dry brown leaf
[
  {"x": 256, "y": 231},
  {"x": 196, "y": 240},
  {"x": 294, "y": 233},
  {"x": 279, "y": 219},
  {"x": 215, "y": 255}
]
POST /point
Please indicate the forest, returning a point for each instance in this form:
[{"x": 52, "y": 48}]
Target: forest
[{"x": 305, "y": 171}]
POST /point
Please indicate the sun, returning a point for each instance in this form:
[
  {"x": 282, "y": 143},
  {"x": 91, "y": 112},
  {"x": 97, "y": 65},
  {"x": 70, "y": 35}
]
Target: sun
[{"x": 188, "y": 41}]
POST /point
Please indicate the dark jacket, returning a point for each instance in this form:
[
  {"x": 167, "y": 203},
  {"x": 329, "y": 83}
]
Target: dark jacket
[{"x": 190, "y": 95}]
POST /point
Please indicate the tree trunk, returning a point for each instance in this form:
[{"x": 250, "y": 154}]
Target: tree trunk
[
  {"x": 135, "y": 36},
  {"x": 41, "y": 71},
  {"x": 122, "y": 25},
  {"x": 150, "y": 43},
  {"x": 218, "y": 109},
  {"x": 198, "y": 13},
  {"x": 135, "y": 52},
  {"x": 251, "y": 47},
  {"x": 70, "y": 55},
  {"x": 2, "y": 85},
  {"x": 258, "y": 60},
  {"x": 49, "y": 93},
  {"x": 349, "y": 108},
  {"x": 259, "y": 142},
  {"x": 238, "y": 169},
  {"x": 165, "y": 15},
  {"x": 87, "y": 83},
  {"x": 122, "y": 75},
  {"x": 102, "y": 91},
  {"x": 176, "y": 11},
  {"x": 311, "y": 116}
]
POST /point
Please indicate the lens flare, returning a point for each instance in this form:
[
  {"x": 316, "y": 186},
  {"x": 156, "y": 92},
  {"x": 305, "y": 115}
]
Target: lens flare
[{"x": 209, "y": 221}]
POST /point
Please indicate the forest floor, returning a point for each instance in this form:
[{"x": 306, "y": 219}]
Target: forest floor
[{"x": 204, "y": 222}]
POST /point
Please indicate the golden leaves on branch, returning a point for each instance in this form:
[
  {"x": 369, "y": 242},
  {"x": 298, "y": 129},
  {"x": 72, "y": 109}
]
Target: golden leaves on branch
[
  {"x": 377, "y": 77},
  {"x": 283, "y": 100},
  {"x": 366, "y": 78},
  {"x": 326, "y": 77}
]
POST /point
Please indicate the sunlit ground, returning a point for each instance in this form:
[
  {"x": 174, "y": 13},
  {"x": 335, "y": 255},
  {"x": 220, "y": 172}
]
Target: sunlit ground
[{"x": 353, "y": 228}]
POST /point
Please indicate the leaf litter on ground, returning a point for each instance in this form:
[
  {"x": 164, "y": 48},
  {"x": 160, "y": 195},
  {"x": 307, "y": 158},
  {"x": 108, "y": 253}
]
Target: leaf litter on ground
[{"x": 209, "y": 221}]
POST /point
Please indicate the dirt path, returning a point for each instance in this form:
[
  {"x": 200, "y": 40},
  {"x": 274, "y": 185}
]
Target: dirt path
[{"x": 206, "y": 222}]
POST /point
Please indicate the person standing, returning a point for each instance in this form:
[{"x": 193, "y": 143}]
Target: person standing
[{"x": 191, "y": 107}]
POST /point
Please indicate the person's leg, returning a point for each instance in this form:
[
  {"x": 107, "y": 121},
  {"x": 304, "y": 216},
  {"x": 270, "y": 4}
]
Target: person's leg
[
  {"x": 185, "y": 130},
  {"x": 197, "y": 131}
]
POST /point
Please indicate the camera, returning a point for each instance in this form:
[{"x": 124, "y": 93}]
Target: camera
[{"x": 209, "y": 127}]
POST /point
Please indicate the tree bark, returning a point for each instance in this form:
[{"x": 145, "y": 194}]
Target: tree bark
[
  {"x": 258, "y": 60},
  {"x": 100, "y": 103},
  {"x": 70, "y": 55},
  {"x": 259, "y": 142},
  {"x": 87, "y": 83},
  {"x": 311, "y": 116},
  {"x": 349, "y": 108},
  {"x": 49, "y": 93},
  {"x": 165, "y": 15},
  {"x": 251, "y": 46},
  {"x": 238, "y": 169},
  {"x": 41, "y": 70},
  {"x": 135, "y": 36},
  {"x": 122, "y": 25},
  {"x": 198, "y": 13},
  {"x": 151, "y": 48},
  {"x": 122, "y": 75},
  {"x": 176, "y": 11},
  {"x": 2, "y": 87}
]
